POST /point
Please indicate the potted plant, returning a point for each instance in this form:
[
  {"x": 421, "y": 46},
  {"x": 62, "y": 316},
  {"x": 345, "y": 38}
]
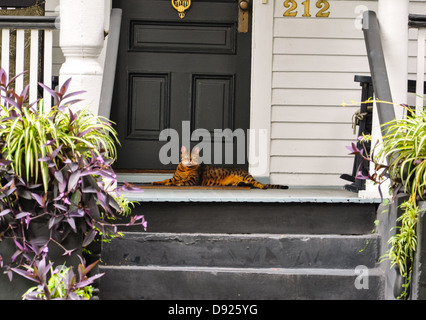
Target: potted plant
[
  {"x": 53, "y": 199},
  {"x": 402, "y": 159}
]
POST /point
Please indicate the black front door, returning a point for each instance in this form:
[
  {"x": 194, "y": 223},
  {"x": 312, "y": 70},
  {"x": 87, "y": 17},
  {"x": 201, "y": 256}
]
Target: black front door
[{"x": 179, "y": 73}]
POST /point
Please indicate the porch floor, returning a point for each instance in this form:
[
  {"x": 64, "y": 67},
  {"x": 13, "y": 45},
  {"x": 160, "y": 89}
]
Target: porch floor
[
  {"x": 295, "y": 194},
  {"x": 319, "y": 194}
]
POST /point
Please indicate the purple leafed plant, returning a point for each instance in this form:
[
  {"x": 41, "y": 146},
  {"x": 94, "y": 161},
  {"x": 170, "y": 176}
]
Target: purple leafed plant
[
  {"x": 380, "y": 171},
  {"x": 53, "y": 165},
  {"x": 62, "y": 284}
]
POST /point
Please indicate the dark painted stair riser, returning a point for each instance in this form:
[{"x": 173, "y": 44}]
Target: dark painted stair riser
[
  {"x": 271, "y": 218},
  {"x": 159, "y": 283},
  {"x": 241, "y": 251},
  {"x": 238, "y": 250}
]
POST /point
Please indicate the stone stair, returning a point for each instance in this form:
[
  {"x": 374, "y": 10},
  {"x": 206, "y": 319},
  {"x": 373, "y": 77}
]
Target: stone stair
[{"x": 198, "y": 250}]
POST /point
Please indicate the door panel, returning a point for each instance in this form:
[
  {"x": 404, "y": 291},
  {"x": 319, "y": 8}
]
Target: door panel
[
  {"x": 185, "y": 38},
  {"x": 171, "y": 70},
  {"x": 148, "y": 106},
  {"x": 213, "y": 103}
]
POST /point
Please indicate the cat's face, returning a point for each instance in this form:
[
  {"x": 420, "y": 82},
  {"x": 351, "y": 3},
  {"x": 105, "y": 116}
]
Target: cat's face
[{"x": 187, "y": 159}]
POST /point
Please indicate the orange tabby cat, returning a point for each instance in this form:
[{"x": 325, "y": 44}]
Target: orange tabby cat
[{"x": 190, "y": 173}]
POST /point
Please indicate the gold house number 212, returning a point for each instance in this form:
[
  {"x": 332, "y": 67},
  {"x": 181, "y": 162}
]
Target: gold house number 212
[{"x": 322, "y": 5}]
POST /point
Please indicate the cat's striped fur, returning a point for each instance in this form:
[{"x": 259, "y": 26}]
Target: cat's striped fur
[{"x": 190, "y": 173}]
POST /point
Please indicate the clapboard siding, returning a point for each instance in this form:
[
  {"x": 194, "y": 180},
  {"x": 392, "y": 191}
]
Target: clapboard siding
[
  {"x": 336, "y": 114},
  {"x": 311, "y": 131},
  {"x": 335, "y": 148},
  {"x": 350, "y": 47},
  {"x": 325, "y": 165},
  {"x": 317, "y": 63},
  {"x": 307, "y": 179},
  {"x": 324, "y": 28},
  {"x": 314, "y": 64},
  {"x": 324, "y": 63},
  {"x": 312, "y": 80},
  {"x": 314, "y": 96}
]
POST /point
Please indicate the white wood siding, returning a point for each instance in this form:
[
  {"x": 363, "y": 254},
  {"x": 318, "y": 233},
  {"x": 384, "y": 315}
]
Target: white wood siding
[{"x": 314, "y": 64}]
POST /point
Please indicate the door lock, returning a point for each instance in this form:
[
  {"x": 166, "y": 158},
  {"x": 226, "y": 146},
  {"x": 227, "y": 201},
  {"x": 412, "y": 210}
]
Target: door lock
[{"x": 243, "y": 16}]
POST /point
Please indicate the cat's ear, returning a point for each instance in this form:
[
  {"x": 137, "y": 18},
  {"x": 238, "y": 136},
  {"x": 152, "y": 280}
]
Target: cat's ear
[
  {"x": 196, "y": 150},
  {"x": 183, "y": 149}
]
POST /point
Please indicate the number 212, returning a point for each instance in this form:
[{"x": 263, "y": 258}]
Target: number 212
[{"x": 323, "y": 5}]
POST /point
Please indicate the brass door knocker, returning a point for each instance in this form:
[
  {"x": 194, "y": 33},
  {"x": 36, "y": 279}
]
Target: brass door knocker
[{"x": 181, "y": 6}]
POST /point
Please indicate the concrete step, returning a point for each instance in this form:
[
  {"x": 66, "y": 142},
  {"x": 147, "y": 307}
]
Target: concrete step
[
  {"x": 210, "y": 283},
  {"x": 251, "y": 245},
  {"x": 253, "y": 217},
  {"x": 242, "y": 250}
]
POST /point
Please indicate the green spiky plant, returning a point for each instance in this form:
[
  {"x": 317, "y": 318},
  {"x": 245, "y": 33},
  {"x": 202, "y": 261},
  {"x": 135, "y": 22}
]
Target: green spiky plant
[
  {"x": 404, "y": 149},
  {"x": 28, "y": 133}
]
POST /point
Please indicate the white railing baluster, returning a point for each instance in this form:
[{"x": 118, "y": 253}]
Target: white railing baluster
[
  {"x": 20, "y": 59},
  {"x": 5, "y": 49},
  {"x": 35, "y": 24},
  {"x": 34, "y": 65},
  {"x": 5, "y": 52},
  {"x": 421, "y": 38},
  {"x": 47, "y": 72}
]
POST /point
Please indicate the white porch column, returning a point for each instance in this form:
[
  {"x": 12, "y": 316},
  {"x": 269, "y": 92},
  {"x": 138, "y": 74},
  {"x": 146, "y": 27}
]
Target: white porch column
[
  {"x": 393, "y": 21},
  {"x": 81, "y": 41}
]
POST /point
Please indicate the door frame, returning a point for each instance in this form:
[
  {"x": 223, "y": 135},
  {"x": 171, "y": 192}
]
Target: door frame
[{"x": 261, "y": 88}]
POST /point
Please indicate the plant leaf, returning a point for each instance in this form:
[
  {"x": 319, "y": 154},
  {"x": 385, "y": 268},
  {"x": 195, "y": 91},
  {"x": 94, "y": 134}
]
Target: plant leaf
[
  {"x": 90, "y": 236},
  {"x": 50, "y": 91},
  {"x": 40, "y": 200},
  {"x": 5, "y": 212},
  {"x": 59, "y": 176},
  {"x": 72, "y": 182}
]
